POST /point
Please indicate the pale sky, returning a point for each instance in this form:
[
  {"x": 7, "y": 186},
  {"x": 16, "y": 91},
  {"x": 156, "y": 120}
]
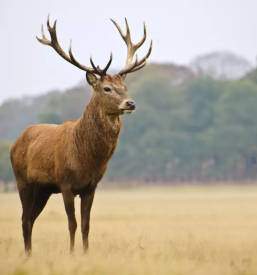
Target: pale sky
[{"x": 180, "y": 30}]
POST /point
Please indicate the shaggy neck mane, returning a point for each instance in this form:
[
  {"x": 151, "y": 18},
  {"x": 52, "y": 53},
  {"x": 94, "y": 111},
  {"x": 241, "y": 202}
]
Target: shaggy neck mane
[{"x": 96, "y": 133}]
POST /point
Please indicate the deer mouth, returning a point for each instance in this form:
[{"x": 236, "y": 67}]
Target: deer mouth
[{"x": 127, "y": 111}]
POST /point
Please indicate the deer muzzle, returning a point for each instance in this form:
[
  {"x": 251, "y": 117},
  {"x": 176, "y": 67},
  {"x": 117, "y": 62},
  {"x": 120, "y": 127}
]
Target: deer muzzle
[{"x": 127, "y": 106}]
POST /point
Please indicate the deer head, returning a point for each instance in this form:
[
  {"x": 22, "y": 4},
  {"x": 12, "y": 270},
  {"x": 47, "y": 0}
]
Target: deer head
[{"x": 110, "y": 92}]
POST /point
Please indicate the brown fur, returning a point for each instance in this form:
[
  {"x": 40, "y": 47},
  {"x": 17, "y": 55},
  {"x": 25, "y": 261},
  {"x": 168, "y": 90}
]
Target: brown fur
[{"x": 70, "y": 158}]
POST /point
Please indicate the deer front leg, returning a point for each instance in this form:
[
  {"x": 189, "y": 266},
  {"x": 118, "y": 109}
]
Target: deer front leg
[
  {"x": 68, "y": 198},
  {"x": 86, "y": 204}
]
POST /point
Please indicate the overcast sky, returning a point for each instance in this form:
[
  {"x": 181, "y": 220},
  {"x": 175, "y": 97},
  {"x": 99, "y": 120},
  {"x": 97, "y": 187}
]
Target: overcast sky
[{"x": 180, "y": 30}]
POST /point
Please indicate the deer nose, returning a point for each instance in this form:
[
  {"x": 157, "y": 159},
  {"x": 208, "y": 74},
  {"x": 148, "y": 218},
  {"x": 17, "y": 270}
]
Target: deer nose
[{"x": 131, "y": 105}]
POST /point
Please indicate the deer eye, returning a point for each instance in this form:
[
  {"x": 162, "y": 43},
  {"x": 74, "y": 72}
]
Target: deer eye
[{"x": 107, "y": 89}]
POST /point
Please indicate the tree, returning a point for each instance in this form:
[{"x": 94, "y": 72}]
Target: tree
[
  {"x": 6, "y": 172},
  {"x": 222, "y": 65},
  {"x": 16, "y": 115},
  {"x": 186, "y": 127},
  {"x": 235, "y": 130},
  {"x": 62, "y": 107}
]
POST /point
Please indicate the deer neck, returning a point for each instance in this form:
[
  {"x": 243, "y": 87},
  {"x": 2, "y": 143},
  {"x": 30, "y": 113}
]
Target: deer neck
[{"x": 96, "y": 131}]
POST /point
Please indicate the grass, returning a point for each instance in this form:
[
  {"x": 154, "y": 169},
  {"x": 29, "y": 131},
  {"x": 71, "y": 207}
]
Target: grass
[{"x": 179, "y": 230}]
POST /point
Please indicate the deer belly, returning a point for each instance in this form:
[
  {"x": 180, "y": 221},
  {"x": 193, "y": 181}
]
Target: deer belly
[{"x": 79, "y": 178}]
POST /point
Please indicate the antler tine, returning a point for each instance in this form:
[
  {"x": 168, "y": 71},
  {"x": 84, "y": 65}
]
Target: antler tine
[
  {"x": 139, "y": 67},
  {"x": 48, "y": 21},
  {"x": 140, "y": 43},
  {"x": 71, "y": 59},
  {"x": 76, "y": 63},
  {"x": 140, "y": 64},
  {"x": 93, "y": 65},
  {"x": 119, "y": 29},
  {"x": 131, "y": 49},
  {"x": 108, "y": 64},
  {"x": 128, "y": 31},
  {"x": 44, "y": 40},
  {"x": 147, "y": 55},
  {"x": 99, "y": 71},
  {"x": 43, "y": 33},
  {"x": 129, "y": 67}
]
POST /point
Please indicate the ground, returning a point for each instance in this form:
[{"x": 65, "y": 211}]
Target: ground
[{"x": 178, "y": 230}]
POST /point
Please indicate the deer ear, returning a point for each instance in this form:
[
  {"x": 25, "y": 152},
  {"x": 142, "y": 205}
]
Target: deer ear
[{"x": 92, "y": 79}]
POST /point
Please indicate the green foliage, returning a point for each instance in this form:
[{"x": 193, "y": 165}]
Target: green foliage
[
  {"x": 202, "y": 129},
  {"x": 51, "y": 113},
  {"x": 205, "y": 131},
  {"x": 6, "y": 173},
  {"x": 16, "y": 115},
  {"x": 65, "y": 106}
]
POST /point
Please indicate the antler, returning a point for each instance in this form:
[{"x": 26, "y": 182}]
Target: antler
[
  {"x": 55, "y": 45},
  {"x": 137, "y": 65}
]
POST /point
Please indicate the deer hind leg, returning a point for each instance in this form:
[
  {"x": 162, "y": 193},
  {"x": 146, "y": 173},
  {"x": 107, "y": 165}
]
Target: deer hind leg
[
  {"x": 26, "y": 196},
  {"x": 40, "y": 198},
  {"x": 33, "y": 200},
  {"x": 68, "y": 199}
]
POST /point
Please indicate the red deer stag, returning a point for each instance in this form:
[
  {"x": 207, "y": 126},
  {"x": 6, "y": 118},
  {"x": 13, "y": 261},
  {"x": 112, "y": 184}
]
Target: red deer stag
[{"x": 72, "y": 158}]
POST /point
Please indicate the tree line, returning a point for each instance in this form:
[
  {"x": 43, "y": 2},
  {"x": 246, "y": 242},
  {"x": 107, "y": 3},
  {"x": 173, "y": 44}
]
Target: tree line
[{"x": 187, "y": 126}]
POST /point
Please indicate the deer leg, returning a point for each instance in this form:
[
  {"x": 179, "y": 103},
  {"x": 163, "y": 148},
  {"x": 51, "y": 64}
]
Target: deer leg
[
  {"x": 86, "y": 204},
  {"x": 68, "y": 199},
  {"x": 26, "y": 196},
  {"x": 33, "y": 201},
  {"x": 39, "y": 201}
]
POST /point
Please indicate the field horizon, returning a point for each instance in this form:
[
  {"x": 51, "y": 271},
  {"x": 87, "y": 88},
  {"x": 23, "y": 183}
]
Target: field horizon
[{"x": 145, "y": 230}]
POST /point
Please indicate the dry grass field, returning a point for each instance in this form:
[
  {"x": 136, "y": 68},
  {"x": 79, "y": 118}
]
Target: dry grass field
[{"x": 178, "y": 230}]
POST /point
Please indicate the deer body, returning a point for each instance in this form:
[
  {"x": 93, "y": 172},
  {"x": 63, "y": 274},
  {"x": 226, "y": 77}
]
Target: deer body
[
  {"x": 72, "y": 158},
  {"x": 39, "y": 154}
]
